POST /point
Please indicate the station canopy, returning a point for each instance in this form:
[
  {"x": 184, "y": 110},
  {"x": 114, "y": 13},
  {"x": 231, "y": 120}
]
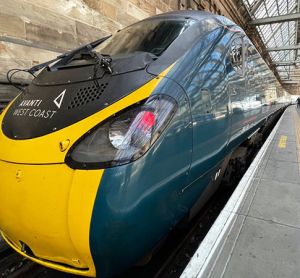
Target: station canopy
[{"x": 277, "y": 23}]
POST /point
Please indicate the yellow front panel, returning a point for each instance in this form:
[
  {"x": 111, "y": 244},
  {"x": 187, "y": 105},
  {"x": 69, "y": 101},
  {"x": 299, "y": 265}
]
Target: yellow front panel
[{"x": 49, "y": 207}]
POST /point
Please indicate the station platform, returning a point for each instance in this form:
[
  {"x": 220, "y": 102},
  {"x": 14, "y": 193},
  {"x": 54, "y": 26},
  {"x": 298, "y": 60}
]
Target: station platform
[{"x": 257, "y": 234}]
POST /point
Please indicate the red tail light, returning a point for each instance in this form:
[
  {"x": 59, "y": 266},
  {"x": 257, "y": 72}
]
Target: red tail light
[{"x": 147, "y": 120}]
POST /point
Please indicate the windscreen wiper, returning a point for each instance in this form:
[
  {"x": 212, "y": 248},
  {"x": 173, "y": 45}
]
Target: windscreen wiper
[
  {"x": 64, "y": 58},
  {"x": 103, "y": 60}
]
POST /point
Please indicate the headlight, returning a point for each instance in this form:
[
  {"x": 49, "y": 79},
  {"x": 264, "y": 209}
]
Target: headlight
[{"x": 124, "y": 137}]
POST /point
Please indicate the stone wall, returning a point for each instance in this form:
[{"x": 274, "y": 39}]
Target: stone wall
[{"x": 33, "y": 31}]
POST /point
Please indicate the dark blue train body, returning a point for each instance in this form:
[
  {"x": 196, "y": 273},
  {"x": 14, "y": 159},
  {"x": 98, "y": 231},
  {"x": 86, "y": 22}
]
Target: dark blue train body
[
  {"x": 186, "y": 158},
  {"x": 217, "y": 92}
]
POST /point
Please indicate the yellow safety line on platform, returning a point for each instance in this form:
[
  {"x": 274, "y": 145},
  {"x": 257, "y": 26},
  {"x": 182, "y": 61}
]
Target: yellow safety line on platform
[
  {"x": 282, "y": 142},
  {"x": 297, "y": 129}
]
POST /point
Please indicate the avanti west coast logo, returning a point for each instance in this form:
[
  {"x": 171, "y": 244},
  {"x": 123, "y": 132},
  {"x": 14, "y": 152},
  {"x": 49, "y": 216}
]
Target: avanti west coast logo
[
  {"x": 58, "y": 101},
  {"x": 32, "y": 107}
]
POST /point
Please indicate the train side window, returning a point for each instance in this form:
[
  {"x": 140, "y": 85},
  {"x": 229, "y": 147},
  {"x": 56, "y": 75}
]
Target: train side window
[
  {"x": 237, "y": 55},
  {"x": 252, "y": 56}
]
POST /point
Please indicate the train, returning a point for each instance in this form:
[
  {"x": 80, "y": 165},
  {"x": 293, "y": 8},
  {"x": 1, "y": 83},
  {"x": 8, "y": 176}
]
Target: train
[{"x": 115, "y": 143}]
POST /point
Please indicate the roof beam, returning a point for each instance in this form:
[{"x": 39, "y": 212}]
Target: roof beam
[
  {"x": 291, "y": 75},
  {"x": 285, "y": 63},
  {"x": 275, "y": 19},
  {"x": 290, "y": 82},
  {"x": 290, "y": 72},
  {"x": 281, "y": 48},
  {"x": 255, "y": 7}
]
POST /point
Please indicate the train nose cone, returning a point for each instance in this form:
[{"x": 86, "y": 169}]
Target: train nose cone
[{"x": 46, "y": 211}]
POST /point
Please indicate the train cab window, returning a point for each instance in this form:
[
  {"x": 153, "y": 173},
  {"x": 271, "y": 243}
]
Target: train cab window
[
  {"x": 153, "y": 36},
  {"x": 237, "y": 56}
]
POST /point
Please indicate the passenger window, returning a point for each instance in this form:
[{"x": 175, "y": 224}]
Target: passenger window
[{"x": 237, "y": 55}]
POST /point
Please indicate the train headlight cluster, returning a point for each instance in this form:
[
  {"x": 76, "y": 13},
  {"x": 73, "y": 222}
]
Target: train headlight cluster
[{"x": 124, "y": 137}]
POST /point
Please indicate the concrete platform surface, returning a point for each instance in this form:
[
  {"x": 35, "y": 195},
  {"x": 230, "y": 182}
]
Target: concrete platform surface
[{"x": 258, "y": 232}]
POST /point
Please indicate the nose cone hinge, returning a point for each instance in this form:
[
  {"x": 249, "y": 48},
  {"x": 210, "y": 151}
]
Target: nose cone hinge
[
  {"x": 18, "y": 175},
  {"x": 63, "y": 145}
]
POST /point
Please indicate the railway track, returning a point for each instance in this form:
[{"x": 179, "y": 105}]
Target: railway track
[{"x": 11, "y": 263}]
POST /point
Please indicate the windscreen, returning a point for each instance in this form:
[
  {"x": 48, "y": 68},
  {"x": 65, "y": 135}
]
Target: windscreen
[{"x": 152, "y": 36}]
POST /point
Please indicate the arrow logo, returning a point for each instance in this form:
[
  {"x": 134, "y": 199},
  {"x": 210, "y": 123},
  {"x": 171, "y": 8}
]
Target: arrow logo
[{"x": 58, "y": 101}]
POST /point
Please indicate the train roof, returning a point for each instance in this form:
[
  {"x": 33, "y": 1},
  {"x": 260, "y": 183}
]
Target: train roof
[{"x": 195, "y": 15}]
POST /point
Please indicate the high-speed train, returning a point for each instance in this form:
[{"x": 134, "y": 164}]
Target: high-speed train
[{"x": 113, "y": 144}]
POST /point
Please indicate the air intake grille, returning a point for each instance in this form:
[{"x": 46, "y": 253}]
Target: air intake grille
[{"x": 86, "y": 95}]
